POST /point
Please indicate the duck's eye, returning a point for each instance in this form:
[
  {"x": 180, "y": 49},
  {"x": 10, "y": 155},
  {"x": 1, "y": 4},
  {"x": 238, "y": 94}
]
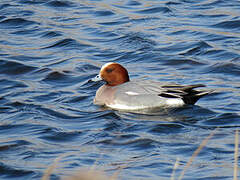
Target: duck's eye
[{"x": 109, "y": 70}]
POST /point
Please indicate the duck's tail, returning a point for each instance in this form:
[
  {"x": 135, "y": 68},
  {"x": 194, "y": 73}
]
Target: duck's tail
[
  {"x": 194, "y": 96},
  {"x": 187, "y": 93}
]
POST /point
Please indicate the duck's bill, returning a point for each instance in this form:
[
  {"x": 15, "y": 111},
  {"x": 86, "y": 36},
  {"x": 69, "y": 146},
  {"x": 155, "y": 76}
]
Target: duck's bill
[{"x": 97, "y": 78}]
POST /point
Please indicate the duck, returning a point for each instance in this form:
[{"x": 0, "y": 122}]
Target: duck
[{"x": 119, "y": 93}]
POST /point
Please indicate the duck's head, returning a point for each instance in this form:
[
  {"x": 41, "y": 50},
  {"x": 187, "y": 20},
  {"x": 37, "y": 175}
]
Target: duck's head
[{"x": 113, "y": 74}]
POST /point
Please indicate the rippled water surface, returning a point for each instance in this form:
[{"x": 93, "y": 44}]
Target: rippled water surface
[{"x": 49, "y": 49}]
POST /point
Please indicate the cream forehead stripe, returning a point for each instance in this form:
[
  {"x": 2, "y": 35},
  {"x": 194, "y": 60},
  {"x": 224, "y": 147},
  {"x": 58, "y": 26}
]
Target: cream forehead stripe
[{"x": 105, "y": 65}]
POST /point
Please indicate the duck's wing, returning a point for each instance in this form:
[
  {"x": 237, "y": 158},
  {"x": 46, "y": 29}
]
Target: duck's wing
[
  {"x": 166, "y": 91},
  {"x": 186, "y": 92}
]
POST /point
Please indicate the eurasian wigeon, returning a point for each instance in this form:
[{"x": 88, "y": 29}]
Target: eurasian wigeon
[{"x": 122, "y": 94}]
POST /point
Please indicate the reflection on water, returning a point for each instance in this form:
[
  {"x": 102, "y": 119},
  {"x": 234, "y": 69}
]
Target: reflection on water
[{"x": 49, "y": 49}]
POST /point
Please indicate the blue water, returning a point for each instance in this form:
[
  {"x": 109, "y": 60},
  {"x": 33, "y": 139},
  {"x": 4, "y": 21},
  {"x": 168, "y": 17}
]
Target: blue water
[{"x": 49, "y": 49}]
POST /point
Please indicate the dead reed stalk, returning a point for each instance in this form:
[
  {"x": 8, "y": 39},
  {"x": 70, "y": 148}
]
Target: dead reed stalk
[
  {"x": 235, "y": 171},
  {"x": 51, "y": 168},
  {"x": 174, "y": 168},
  {"x": 82, "y": 174},
  {"x": 196, "y": 152}
]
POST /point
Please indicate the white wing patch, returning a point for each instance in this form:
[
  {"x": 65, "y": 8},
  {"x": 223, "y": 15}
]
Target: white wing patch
[{"x": 131, "y": 93}]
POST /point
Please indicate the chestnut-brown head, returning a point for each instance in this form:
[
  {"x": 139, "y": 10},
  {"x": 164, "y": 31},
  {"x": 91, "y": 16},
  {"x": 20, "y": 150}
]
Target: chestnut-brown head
[{"x": 113, "y": 74}]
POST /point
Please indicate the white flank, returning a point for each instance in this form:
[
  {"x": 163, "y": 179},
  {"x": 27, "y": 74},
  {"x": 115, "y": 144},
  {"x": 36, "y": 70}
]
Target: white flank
[
  {"x": 125, "y": 107},
  {"x": 175, "y": 102}
]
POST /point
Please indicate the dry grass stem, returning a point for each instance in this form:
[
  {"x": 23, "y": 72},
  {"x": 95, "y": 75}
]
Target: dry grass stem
[
  {"x": 53, "y": 166},
  {"x": 116, "y": 174},
  {"x": 174, "y": 168},
  {"x": 83, "y": 174},
  {"x": 235, "y": 172},
  {"x": 196, "y": 152},
  {"x": 88, "y": 175}
]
